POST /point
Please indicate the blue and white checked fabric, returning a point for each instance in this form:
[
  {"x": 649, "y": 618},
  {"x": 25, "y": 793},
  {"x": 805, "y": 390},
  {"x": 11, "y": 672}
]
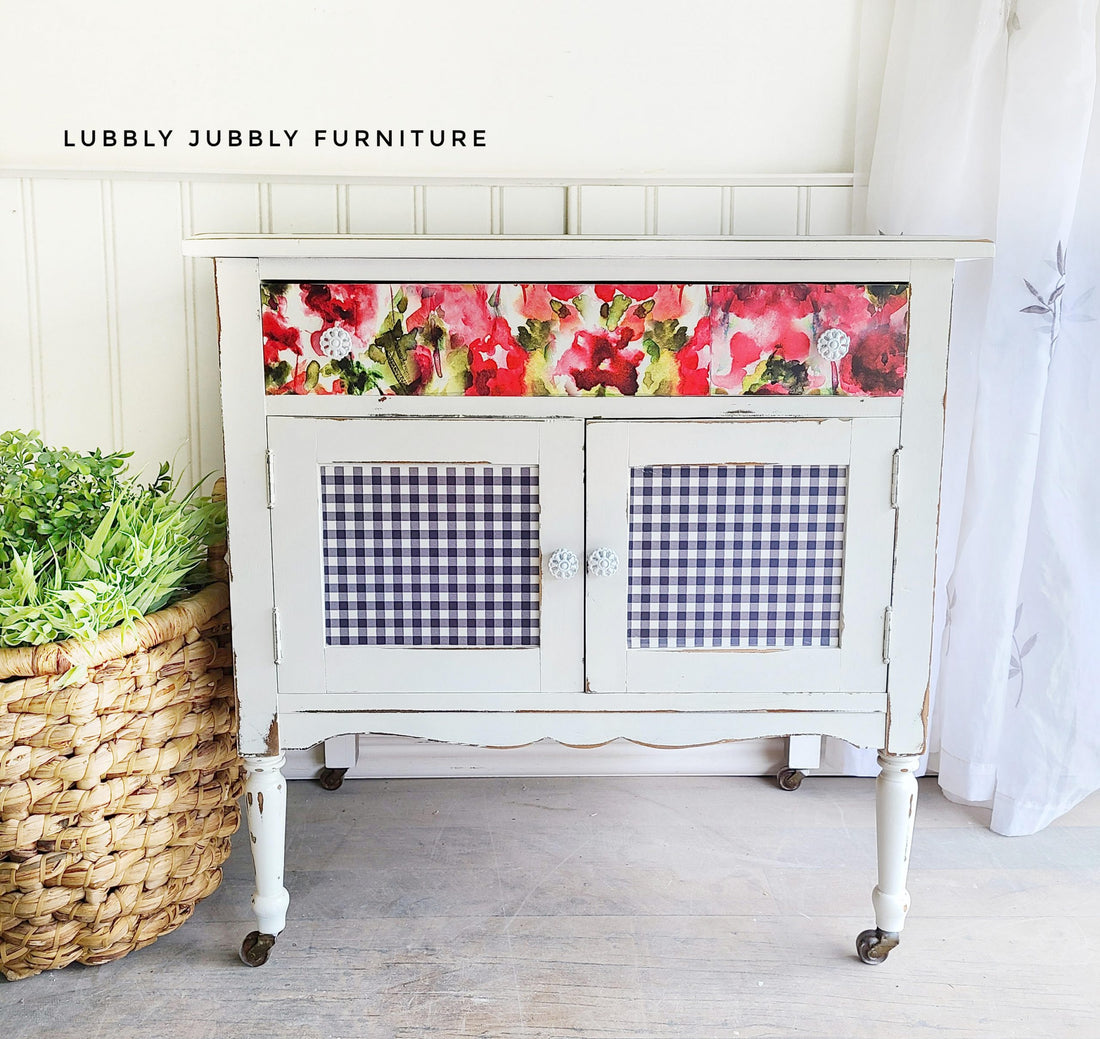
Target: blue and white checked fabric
[
  {"x": 430, "y": 555},
  {"x": 734, "y": 556}
]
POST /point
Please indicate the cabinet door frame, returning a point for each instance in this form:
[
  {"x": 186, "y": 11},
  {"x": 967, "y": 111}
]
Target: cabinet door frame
[
  {"x": 301, "y": 446},
  {"x": 865, "y": 446}
]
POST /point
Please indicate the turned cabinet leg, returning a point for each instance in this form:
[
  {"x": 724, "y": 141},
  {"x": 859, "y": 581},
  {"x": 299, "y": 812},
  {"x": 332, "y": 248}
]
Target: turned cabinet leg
[
  {"x": 265, "y": 805},
  {"x": 895, "y": 812}
]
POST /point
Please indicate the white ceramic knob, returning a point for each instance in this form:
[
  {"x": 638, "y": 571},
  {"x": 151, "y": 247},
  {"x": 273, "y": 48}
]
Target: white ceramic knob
[
  {"x": 833, "y": 344},
  {"x": 563, "y": 564},
  {"x": 603, "y": 562},
  {"x": 336, "y": 343}
]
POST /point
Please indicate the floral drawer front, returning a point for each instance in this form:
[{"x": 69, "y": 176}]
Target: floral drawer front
[{"x": 517, "y": 340}]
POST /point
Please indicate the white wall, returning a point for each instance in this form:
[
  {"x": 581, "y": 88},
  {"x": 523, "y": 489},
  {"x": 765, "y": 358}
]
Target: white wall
[
  {"x": 732, "y": 117},
  {"x": 570, "y": 89},
  {"x": 109, "y": 334},
  {"x": 742, "y": 117}
]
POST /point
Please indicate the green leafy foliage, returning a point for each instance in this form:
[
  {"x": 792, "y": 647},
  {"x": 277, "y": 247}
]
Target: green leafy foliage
[
  {"x": 792, "y": 377},
  {"x": 84, "y": 547},
  {"x": 881, "y": 294},
  {"x": 661, "y": 373},
  {"x": 277, "y": 374},
  {"x": 535, "y": 335},
  {"x": 313, "y": 375},
  {"x": 669, "y": 335},
  {"x": 271, "y": 292},
  {"x": 394, "y": 347},
  {"x": 613, "y": 312}
]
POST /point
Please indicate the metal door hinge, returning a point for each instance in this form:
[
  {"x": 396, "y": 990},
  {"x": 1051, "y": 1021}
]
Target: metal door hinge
[
  {"x": 276, "y": 638},
  {"x": 887, "y": 623},
  {"x": 895, "y": 470},
  {"x": 270, "y": 480}
]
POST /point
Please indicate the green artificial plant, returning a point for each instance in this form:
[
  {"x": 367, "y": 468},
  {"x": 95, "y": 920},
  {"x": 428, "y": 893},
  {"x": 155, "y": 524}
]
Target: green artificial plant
[{"x": 84, "y": 546}]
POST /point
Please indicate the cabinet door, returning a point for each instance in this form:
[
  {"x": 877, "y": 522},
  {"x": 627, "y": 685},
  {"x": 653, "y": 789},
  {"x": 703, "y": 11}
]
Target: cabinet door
[
  {"x": 753, "y": 555},
  {"x": 408, "y": 554}
]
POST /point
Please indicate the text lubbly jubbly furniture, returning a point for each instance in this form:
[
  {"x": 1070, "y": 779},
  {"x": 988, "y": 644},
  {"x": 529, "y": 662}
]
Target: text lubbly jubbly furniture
[{"x": 495, "y": 490}]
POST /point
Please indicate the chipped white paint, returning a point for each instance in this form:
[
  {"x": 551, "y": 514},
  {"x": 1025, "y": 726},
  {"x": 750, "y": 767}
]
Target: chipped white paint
[
  {"x": 571, "y": 689},
  {"x": 265, "y": 808},
  {"x": 142, "y": 316},
  {"x": 895, "y": 814}
]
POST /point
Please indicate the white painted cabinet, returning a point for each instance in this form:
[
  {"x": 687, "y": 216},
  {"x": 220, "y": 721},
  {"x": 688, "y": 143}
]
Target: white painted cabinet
[
  {"x": 492, "y": 491},
  {"x": 409, "y": 558},
  {"x": 735, "y": 578},
  {"x": 428, "y": 568}
]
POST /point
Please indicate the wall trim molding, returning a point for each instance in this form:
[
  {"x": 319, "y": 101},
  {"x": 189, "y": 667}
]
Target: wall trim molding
[
  {"x": 109, "y": 211},
  {"x": 838, "y": 179}
]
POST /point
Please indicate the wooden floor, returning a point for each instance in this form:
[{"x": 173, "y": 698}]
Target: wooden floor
[{"x": 602, "y": 908}]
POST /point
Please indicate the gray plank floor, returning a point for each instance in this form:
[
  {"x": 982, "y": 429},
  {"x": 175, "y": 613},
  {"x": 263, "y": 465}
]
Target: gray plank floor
[{"x": 614, "y": 909}]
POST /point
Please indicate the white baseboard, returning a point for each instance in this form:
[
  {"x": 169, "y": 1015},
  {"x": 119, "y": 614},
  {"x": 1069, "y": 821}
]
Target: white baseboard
[
  {"x": 402, "y": 757},
  {"x": 406, "y": 757}
]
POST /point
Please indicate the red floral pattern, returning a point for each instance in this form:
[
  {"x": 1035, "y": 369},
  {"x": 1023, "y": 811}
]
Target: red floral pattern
[
  {"x": 279, "y": 337},
  {"x": 875, "y": 366},
  {"x": 603, "y": 360},
  {"x": 693, "y": 361},
  {"x": 665, "y": 339},
  {"x": 498, "y": 364},
  {"x": 565, "y": 292},
  {"x": 767, "y": 335},
  {"x": 464, "y": 309},
  {"x": 638, "y": 293}
]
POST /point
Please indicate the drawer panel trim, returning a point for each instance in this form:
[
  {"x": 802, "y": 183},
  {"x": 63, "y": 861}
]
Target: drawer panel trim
[{"x": 524, "y": 340}]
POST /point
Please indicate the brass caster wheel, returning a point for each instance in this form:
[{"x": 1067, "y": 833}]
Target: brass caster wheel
[
  {"x": 332, "y": 778},
  {"x": 256, "y": 948},
  {"x": 789, "y": 778},
  {"x": 874, "y": 946}
]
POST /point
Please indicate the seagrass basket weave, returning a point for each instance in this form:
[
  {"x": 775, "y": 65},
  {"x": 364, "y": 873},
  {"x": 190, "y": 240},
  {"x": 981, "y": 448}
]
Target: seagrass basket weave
[{"x": 119, "y": 780}]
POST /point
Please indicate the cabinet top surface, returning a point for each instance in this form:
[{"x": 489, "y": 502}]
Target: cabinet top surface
[{"x": 585, "y": 247}]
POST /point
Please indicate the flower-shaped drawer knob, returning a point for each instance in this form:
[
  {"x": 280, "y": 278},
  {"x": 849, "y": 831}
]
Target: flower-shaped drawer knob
[
  {"x": 833, "y": 344},
  {"x": 563, "y": 564},
  {"x": 603, "y": 562},
  {"x": 336, "y": 343}
]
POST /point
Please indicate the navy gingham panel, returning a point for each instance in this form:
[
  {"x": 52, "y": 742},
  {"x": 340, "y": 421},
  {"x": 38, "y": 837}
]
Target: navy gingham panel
[
  {"x": 730, "y": 556},
  {"x": 430, "y": 555}
]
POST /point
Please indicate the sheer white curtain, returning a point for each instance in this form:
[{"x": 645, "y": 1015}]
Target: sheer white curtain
[{"x": 990, "y": 125}]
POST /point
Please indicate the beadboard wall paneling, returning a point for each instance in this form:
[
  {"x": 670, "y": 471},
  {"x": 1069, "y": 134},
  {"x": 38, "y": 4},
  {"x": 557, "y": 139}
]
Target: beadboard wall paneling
[
  {"x": 461, "y": 209},
  {"x": 382, "y": 209},
  {"x": 75, "y": 291},
  {"x": 21, "y": 403},
  {"x": 533, "y": 210},
  {"x": 157, "y": 385},
  {"x": 303, "y": 208},
  {"x": 693, "y": 210},
  {"x": 613, "y": 209},
  {"x": 233, "y": 207},
  {"x": 768, "y": 209},
  {"x": 829, "y": 211},
  {"x": 109, "y": 335},
  {"x": 211, "y": 207}
]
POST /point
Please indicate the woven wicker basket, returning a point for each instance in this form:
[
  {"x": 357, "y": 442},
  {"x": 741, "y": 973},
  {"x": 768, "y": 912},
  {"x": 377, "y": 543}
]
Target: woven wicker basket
[{"x": 119, "y": 780}]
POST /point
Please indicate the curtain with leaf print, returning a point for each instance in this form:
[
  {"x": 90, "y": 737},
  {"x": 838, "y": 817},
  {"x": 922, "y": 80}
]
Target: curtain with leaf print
[{"x": 989, "y": 125}]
